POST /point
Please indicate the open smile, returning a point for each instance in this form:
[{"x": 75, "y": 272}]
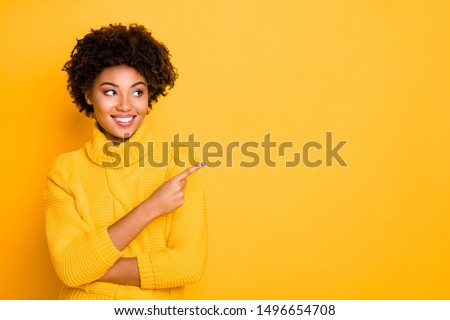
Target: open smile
[{"x": 124, "y": 120}]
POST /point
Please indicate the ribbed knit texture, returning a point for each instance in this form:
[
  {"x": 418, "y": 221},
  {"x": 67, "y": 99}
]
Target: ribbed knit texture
[{"x": 87, "y": 191}]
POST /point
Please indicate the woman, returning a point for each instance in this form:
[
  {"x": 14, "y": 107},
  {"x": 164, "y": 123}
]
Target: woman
[{"x": 119, "y": 226}]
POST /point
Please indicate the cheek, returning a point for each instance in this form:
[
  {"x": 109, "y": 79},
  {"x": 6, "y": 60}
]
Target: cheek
[
  {"x": 142, "y": 105},
  {"x": 100, "y": 111},
  {"x": 103, "y": 105},
  {"x": 143, "y": 108}
]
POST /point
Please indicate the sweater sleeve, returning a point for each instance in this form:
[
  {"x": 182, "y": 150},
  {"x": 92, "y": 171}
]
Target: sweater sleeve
[
  {"x": 80, "y": 253},
  {"x": 183, "y": 260}
]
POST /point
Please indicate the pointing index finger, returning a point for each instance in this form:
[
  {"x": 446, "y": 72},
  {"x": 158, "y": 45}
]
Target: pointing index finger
[{"x": 186, "y": 173}]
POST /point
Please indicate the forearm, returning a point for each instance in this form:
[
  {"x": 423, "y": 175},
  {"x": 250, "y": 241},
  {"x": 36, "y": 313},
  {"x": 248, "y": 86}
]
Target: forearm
[
  {"x": 124, "y": 271},
  {"x": 123, "y": 231},
  {"x": 168, "y": 197},
  {"x": 83, "y": 259}
]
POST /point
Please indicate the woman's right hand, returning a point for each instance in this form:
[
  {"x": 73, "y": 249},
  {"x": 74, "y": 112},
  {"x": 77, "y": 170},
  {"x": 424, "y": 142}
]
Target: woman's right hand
[{"x": 170, "y": 195}]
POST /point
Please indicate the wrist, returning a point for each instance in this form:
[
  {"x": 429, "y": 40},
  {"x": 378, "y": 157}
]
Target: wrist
[{"x": 151, "y": 208}]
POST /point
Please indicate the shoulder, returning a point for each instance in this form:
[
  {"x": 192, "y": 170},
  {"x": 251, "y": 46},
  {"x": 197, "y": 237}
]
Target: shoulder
[{"x": 64, "y": 167}]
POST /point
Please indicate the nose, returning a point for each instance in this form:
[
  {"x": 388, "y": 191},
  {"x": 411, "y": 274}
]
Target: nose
[{"x": 123, "y": 104}]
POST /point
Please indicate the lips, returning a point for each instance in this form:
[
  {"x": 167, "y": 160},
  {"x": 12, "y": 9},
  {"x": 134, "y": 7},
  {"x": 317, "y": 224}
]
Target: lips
[{"x": 124, "y": 120}]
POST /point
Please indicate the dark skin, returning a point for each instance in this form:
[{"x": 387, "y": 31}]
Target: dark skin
[{"x": 165, "y": 199}]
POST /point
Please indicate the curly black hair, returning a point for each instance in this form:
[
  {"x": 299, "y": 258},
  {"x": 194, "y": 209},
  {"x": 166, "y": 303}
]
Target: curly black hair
[{"x": 117, "y": 44}]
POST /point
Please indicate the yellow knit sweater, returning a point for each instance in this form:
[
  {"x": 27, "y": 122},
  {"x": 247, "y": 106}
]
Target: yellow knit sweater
[{"x": 88, "y": 190}]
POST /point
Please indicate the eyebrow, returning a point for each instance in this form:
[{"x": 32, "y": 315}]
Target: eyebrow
[{"x": 115, "y": 85}]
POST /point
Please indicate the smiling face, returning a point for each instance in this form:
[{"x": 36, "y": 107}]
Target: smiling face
[{"x": 120, "y": 99}]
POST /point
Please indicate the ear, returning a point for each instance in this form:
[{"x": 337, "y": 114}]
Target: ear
[{"x": 88, "y": 97}]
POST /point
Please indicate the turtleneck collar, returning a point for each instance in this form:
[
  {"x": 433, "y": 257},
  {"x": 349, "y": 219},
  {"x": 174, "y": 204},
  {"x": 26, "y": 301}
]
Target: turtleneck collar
[{"x": 106, "y": 153}]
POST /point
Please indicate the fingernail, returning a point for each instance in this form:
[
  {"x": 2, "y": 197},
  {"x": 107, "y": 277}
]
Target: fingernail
[{"x": 202, "y": 164}]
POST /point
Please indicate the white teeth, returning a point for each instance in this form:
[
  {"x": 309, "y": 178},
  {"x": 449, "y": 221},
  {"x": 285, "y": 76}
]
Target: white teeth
[{"x": 124, "y": 120}]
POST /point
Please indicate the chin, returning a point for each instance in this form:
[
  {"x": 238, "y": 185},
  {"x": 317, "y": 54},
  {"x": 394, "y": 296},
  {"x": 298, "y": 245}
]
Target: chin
[{"x": 126, "y": 135}]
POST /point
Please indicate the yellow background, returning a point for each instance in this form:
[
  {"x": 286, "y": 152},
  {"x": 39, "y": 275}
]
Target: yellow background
[{"x": 376, "y": 73}]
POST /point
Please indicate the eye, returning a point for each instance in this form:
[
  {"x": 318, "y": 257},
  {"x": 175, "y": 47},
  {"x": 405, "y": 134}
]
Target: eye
[
  {"x": 138, "y": 93},
  {"x": 110, "y": 92}
]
